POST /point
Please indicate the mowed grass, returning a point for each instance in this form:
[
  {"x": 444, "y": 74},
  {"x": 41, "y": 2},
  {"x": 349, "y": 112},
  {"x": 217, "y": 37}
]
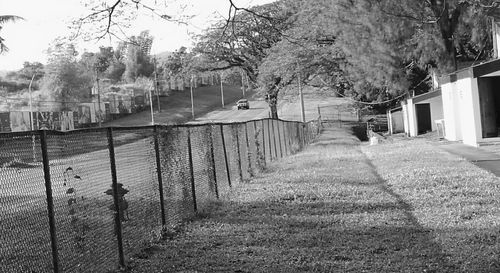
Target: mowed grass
[{"x": 344, "y": 206}]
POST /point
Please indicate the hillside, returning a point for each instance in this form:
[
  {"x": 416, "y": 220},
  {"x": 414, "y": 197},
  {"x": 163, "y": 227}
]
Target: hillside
[{"x": 176, "y": 108}]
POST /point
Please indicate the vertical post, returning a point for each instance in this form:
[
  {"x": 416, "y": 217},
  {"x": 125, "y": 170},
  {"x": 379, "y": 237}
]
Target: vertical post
[
  {"x": 160, "y": 178},
  {"x": 299, "y": 141},
  {"x": 240, "y": 170},
  {"x": 192, "y": 99},
  {"x": 31, "y": 103},
  {"x": 228, "y": 171},
  {"x": 279, "y": 138},
  {"x": 50, "y": 200},
  {"x": 98, "y": 99},
  {"x": 114, "y": 180},
  {"x": 212, "y": 158},
  {"x": 269, "y": 135},
  {"x": 286, "y": 138},
  {"x": 274, "y": 139},
  {"x": 494, "y": 30},
  {"x": 302, "y": 111},
  {"x": 263, "y": 141},
  {"x": 249, "y": 157},
  {"x": 242, "y": 82},
  {"x": 191, "y": 169},
  {"x": 339, "y": 117},
  {"x": 151, "y": 107},
  {"x": 156, "y": 86},
  {"x": 221, "y": 89},
  {"x": 32, "y": 127},
  {"x": 319, "y": 115}
]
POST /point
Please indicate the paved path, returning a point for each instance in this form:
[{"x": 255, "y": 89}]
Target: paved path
[{"x": 480, "y": 157}]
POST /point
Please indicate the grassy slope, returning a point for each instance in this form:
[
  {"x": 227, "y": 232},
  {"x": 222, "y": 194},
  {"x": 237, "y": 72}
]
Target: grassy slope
[
  {"x": 344, "y": 207},
  {"x": 176, "y": 108}
]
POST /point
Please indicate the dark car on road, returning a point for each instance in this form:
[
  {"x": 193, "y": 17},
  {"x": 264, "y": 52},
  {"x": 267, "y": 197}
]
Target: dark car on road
[{"x": 243, "y": 104}]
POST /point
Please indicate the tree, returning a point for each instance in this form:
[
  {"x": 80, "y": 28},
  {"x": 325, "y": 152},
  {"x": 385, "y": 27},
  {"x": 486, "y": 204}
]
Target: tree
[
  {"x": 137, "y": 59},
  {"x": 65, "y": 78},
  {"x": 243, "y": 42},
  {"x": 3, "y": 20},
  {"x": 110, "y": 18},
  {"x": 29, "y": 70}
]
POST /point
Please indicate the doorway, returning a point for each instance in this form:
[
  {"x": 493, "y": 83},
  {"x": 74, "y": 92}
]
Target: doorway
[
  {"x": 424, "y": 121},
  {"x": 489, "y": 101}
]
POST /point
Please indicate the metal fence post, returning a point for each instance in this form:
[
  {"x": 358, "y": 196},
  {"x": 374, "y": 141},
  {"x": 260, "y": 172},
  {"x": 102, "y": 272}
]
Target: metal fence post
[
  {"x": 263, "y": 142},
  {"x": 285, "y": 138},
  {"x": 160, "y": 178},
  {"x": 114, "y": 179},
  {"x": 249, "y": 157},
  {"x": 269, "y": 137},
  {"x": 228, "y": 171},
  {"x": 191, "y": 169},
  {"x": 50, "y": 200},
  {"x": 274, "y": 139},
  {"x": 279, "y": 138},
  {"x": 240, "y": 170},
  {"x": 212, "y": 157}
]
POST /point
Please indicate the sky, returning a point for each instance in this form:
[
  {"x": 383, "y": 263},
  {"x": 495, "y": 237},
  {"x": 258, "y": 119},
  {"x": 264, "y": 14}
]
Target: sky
[{"x": 46, "y": 20}]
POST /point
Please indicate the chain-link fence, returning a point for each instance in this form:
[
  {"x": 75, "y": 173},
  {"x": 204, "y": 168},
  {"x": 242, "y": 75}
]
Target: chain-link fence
[{"x": 89, "y": 200}]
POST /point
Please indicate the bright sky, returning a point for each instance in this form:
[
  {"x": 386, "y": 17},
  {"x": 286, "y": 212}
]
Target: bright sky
[{"x": 45, "y": 20}]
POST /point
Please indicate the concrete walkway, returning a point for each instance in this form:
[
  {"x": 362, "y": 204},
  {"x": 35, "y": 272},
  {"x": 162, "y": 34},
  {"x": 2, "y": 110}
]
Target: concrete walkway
[{"x": 480, "y": 157}]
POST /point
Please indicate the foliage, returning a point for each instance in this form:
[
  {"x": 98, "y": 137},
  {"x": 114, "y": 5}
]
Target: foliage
[
  {"x": 6, "y": 19},
  {"x": 243, "y": 42},
  {"x": 64, "y": 76},
  {"x": 12, "y": 86},
  {"x": 108, "y": 19},
  {"x": 137, "y": 57}
]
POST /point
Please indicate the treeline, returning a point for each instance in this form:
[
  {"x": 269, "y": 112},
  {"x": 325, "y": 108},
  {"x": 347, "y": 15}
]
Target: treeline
[{"x": 375, "y": 52}]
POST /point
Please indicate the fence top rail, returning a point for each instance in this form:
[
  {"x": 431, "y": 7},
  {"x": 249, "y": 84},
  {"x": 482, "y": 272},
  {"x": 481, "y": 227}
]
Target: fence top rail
[{"x": 144, "y": 127}]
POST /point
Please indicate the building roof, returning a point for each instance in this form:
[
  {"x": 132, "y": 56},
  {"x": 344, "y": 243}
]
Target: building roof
[
  {"x": 426, "y": 96},
  {"x": 487, "y": 69}
]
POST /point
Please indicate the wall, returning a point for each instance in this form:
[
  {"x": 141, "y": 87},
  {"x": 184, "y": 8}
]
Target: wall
[
  {"x": 469, "y": 109},
  {"x": 451, "y": 111},
  {"x": 436, "y": 110},
  {"x": 396, "y": 121},
  {"x": 412, "y": 119}
]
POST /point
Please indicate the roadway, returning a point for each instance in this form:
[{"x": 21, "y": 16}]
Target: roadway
[{"x": 258, "y": 109}]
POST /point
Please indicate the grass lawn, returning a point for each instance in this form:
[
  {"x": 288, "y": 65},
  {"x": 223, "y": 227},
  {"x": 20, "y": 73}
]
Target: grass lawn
[{"x": 344, "y": 206}]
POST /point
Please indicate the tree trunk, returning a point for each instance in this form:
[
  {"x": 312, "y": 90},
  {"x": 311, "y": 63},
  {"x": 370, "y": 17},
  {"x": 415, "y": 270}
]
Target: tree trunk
[
  {"x": 274, "y": 111},
  {"x": 447, "y": 24}
]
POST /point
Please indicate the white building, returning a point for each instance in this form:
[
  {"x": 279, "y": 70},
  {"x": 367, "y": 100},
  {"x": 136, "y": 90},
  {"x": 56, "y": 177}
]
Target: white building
[
  {"x": 471, "y": 104},
  {"x": 417, "y": 115}
]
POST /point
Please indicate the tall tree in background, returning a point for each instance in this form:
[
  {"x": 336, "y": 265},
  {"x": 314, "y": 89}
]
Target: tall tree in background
[
  {"x": 108, "y": 19},
  {"x": 137, "y": 59},
  {"x": 65, "y": 78},
  {"x": 3, "y": 20},
  {"x": 243, "y": 42}
]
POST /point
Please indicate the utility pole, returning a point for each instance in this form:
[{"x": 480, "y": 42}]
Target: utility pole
[
  {"x": 156, "y": 86},
  {"x": 222, "y": 89},
  {"x": 151, "y": 107},
  {"x": 242, "y": 82},
  {"x": 303, "y": 114}
]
